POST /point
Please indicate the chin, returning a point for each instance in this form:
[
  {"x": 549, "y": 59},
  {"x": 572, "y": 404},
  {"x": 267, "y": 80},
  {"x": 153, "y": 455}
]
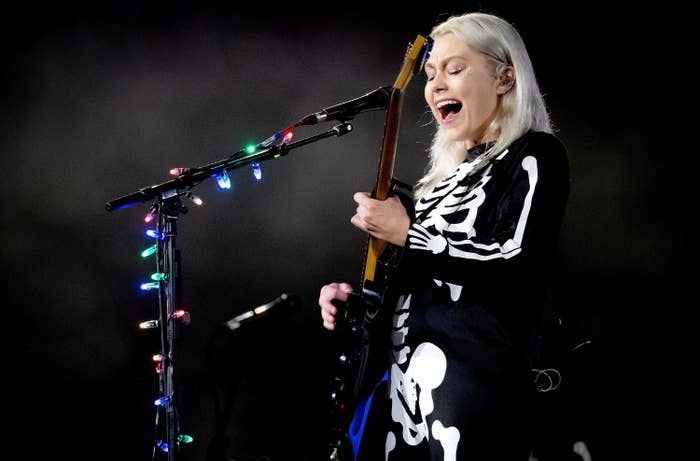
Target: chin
[{"x": 453, "y": 135}]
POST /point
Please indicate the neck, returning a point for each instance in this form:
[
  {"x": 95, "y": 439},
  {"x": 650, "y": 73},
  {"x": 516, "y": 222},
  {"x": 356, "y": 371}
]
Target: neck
[
  {"x": 487, "y": 135},
  {"x": 476, "y": 142}
]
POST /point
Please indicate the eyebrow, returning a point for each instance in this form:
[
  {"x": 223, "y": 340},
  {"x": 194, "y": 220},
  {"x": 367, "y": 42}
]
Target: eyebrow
[{"x": 446, "y": 60}]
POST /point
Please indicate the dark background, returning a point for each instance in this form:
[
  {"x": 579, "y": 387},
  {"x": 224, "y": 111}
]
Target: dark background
[{"x": 101, "y": 100}]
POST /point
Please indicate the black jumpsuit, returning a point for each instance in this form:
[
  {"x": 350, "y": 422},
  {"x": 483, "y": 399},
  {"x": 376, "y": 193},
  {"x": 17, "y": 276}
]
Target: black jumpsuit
[{"x": 473, "y": 277}]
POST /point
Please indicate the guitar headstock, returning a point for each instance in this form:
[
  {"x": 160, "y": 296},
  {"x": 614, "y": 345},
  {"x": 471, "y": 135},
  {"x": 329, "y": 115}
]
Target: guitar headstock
[{"x": 417, "y": 54}]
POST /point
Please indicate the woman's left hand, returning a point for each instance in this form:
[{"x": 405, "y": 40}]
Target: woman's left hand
[{"x": 383, "y": 219}]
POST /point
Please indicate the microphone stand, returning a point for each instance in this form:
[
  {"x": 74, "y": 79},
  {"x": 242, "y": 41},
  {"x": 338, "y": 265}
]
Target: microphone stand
[
  {"x": 169, "y": 296},
  {"x": 169, "y": 207},
  {"x": 192, "y": 177}
]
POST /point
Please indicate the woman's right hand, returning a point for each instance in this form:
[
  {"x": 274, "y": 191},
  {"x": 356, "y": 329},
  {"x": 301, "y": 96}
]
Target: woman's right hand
[{"x": 329, "y": 293}]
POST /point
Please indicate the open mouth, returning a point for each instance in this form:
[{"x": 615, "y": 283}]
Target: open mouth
[{"x": 448, "y": 107}]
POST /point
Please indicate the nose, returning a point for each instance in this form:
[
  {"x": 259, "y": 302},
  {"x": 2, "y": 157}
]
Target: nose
[{"x": 437, "y": 84}]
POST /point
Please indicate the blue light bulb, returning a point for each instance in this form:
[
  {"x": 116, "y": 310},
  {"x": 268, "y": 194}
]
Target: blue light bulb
[
  {"x": 257, "y": 171},
  {"x": 162, "y": 401},
  {"x": 150, "y": 286},
  {"x": 223, "y": 180},
  {"x": 155, "y": 234},
  {"x": 162, "y": 445}
]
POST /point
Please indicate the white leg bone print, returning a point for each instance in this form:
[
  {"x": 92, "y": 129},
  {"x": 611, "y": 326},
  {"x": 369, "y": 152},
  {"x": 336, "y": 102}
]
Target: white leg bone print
[
  {"x": 412, "y": 398},
  {"x": 448, "y": 437}
]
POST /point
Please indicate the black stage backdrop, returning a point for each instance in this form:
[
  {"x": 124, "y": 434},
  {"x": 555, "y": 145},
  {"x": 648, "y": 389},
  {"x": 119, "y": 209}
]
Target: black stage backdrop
[{"x": 102, "y": 100}]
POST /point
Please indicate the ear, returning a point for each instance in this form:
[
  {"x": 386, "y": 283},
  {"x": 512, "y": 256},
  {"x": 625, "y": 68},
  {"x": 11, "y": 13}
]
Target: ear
[{"x": 506, "y": 80}]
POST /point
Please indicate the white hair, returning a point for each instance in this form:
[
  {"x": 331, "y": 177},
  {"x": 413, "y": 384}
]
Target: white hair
[{"x": 522, "y": 108}]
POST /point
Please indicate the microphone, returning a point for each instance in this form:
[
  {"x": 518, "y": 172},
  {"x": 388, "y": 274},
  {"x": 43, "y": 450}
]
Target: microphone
[
  {"x": 282, "y": 303},
  {"x": 344, "y": 111}
]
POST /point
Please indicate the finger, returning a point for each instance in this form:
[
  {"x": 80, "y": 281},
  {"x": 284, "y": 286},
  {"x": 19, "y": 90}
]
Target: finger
[
  {"x": 329, "y": 291},
  {"x": 328, "y": 308},
  {"x": 328, "y": 320},
  {"x": 327, "y": 317},
  {"x": 324, "y": 294},
  {"x": 358, "y": 222},
  {"x": 361, "y": 197},
  {"x": 338, "y": 297}
]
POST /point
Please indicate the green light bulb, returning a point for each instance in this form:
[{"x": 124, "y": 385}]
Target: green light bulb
[
  {"x": 158, "y": 276},
  {"x": 149, "y": 251},
  {"x": 184, "y": 438}
]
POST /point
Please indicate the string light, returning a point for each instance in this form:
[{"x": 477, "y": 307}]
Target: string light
[
  {"x": 158, "y": 276},
  {"x": 149, "y": 251},
  {"x": 257, "y": 171},
  {"x": 223, "y": 180},
  {"x": 151, "y": 213},
  {"x": 278, "y": 138},
  {"x": 162, "y": 401},
  {"x": 182, "y": 438},
  {"x": 162, "y": 445},
  {"x": 155, "y": 234},
  {"x": 149, "y": 324},
  {"x": 150, "y": 286},
  {"x": 195, "y": 199},
  {"x": 178, "y": 171},
  {"x": 181, "y": 315}
]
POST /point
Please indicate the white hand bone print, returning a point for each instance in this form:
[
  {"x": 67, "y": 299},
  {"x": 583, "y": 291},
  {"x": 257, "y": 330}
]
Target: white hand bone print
[{"x": 421, "y": 239}]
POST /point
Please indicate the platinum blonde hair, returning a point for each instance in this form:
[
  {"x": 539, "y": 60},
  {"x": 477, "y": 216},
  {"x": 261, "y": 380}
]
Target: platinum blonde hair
[{"x": 522, "y": 108}]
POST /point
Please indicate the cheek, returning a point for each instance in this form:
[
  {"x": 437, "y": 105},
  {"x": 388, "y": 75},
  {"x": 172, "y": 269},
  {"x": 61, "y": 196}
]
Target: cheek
[{"x": 480, "y": 96}]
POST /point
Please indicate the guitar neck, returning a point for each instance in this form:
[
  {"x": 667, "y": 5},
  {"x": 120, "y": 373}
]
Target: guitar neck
[
  {"x": 387, "y": 158},
  {"x": 375, "y": 247}
]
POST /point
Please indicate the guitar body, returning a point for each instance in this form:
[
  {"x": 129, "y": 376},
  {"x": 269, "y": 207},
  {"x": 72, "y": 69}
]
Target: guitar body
[
  {"x": 362, "y": 344},
  {"x": 361, "y": 359}
]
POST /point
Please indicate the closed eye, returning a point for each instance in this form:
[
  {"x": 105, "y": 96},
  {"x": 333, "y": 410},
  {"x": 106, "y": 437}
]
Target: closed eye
[{"x": 455, "y": 71}]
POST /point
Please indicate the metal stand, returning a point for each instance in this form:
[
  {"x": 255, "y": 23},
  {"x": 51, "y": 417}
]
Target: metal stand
[
  {"x": 169, "y": 208},
  {"x": 169, "y": 297}
]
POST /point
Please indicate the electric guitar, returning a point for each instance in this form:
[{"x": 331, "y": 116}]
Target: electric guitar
[{"x": 357, "y": 314}]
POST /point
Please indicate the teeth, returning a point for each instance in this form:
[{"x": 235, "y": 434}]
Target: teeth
[{"x": 446, "y": 103}]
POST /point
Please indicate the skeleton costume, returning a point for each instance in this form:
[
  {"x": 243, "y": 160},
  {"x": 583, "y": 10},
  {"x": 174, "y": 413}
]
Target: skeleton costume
[{"x": 472, "y": 280}]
